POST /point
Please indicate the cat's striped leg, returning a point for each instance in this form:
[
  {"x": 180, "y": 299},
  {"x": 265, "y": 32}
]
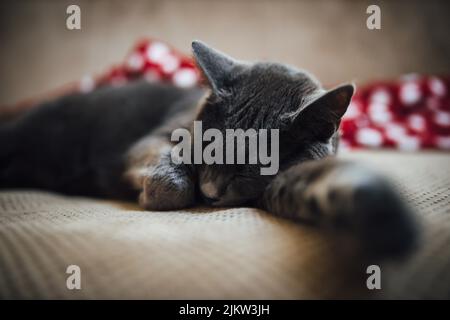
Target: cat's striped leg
[
  {"x": 345, "y": 197},
  {"x": 163, "y": 184}
]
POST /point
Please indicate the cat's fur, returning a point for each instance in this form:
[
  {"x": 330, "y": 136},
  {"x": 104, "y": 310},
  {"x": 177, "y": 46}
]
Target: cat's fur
[{"x": 115, "y": 142}]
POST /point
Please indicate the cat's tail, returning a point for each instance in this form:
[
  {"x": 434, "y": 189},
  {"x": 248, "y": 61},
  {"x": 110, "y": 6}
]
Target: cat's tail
[{"x": 354, "y": 202}]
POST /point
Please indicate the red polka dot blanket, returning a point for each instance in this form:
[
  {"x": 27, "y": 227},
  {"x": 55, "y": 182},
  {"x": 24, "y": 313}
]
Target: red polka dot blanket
[{"x": 410, "y": 113}]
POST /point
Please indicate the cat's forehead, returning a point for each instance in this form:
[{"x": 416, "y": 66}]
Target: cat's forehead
[
  {"x": 262, "y": 92},
  {"x": 274, "y": 75}
]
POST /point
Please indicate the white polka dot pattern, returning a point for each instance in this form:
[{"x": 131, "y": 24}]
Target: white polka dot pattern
[{"x": 409, "y": 114}]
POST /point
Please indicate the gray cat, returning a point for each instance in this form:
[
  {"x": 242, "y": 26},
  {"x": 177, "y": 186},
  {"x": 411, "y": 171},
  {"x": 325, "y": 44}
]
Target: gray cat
[{"x": 115, "y": 142}]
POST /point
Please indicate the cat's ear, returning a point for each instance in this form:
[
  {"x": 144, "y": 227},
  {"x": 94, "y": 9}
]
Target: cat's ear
[
  {"x": 321, "y": 117},
  {"x": 215, "y": 65}
]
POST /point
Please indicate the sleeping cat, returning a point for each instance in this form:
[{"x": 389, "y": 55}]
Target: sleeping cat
[{"x": 115, "y": 142}]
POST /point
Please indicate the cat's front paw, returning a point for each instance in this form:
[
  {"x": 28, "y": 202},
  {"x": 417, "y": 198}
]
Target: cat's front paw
[
  {"x": 349, "y": 199},
  {"x": 354, "y": 199},
  {"x": 380, "y": 217},
  {"x": 167, "y": 188}
]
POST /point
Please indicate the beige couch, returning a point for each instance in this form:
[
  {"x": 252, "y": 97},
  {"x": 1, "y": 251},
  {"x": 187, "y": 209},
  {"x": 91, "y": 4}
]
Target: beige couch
[{"x": 124, "y": 252}]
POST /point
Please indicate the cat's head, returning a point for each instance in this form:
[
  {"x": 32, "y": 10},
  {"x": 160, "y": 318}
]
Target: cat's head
[{"x": 264, "y": 96}]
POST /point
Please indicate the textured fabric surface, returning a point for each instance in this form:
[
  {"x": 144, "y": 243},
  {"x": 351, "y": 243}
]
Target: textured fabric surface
[{"x": 124, "y": 252}]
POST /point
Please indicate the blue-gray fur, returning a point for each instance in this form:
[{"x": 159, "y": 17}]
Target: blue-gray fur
[{"x": 114, "y": 143}]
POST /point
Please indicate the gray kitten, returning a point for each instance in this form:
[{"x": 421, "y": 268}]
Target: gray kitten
[{"x": 115, "y": 142}]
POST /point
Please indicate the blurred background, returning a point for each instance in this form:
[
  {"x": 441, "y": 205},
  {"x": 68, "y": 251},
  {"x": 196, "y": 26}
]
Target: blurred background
[{"x": 327, "y": 37}]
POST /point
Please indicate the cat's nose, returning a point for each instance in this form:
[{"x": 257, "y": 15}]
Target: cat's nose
[{"x": 210, "y": 192}]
